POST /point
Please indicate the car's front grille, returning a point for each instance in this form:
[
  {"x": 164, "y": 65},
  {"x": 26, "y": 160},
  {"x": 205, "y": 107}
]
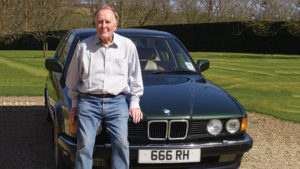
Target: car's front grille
[
  {"x": 198, "y": 127},
  {"x": 139, "y": 129},
  {"x": 164, "y": 129},
  {"x": 178, "y": 129},
  {"x": 157, "y": 130}
]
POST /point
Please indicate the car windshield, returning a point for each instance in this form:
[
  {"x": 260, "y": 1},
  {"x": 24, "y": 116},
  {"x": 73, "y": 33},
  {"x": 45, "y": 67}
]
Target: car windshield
[{"x": 162, "y": 55}]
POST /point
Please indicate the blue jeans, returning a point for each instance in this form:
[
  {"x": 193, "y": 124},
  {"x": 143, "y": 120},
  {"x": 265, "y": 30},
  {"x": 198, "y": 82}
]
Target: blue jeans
[{"x": 114, "y": 113}]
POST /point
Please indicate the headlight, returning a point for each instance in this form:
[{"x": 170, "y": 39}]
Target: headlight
[
  {"x": 214, "y": 127},
  {"x": 233, "y": 126}
]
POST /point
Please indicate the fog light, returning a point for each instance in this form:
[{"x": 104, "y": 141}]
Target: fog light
[
  {"x": 227, "y": 157},
  {"x": 214, "y": 127},
  {"x": 99, "y": 162}
]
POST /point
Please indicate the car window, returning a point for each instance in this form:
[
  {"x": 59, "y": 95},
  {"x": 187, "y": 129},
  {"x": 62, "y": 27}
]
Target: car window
[
  {"x": 61, "y": 45},
  {"x": 68, "y": 42},
  {"x": 162, "y": 54},
  {"x": 182, "y": 58}
]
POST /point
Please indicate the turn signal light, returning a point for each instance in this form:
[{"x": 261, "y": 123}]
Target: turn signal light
[{"x": 244, "y": 124}]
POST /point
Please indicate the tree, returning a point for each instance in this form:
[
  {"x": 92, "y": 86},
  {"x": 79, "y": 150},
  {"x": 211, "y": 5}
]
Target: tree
[
  {"x": 209, "y": 6},
  {"x": 297, "y": 10},
  {"x": 241, "y": 10},
  {"x": 224, "y": 9},
  {"x": 3, "y": 17},
  {"x": 189, "y": 9},
  {"x": 144, "y": 10},
  {"x": 12, "y": 18},
  {"x": 275, "y": 10},
  {"x": 26, "y": 14},
  {"x": 166, "y": 9},
  {"x": 217, "y": 9},
  {"x": 122, "y": 7},
  {"x": 46, "y": 19},
  {"x": 265, "y": 12},
  {"x": 293, "y": 25}
]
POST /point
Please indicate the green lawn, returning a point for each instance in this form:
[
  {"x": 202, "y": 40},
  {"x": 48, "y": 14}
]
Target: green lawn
[
  {"x": 22, "y": 72},
  {"x": 268, "y": 84}
]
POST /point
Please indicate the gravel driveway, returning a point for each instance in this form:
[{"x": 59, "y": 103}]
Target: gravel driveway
[{"x": 276, "y": 142}]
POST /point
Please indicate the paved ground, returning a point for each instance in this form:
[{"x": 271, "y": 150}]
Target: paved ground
[
  {"x": 22, "y": 101},
  {"x": 25, "y": 141},
  {"x": 276, "y": 143}
]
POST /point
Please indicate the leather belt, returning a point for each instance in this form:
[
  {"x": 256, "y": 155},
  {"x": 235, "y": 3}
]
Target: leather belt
[{"x": 106, "y": 95}]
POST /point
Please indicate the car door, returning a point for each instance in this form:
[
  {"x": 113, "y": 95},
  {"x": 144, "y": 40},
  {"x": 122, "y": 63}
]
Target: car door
[{"x": 56, "y": 89}]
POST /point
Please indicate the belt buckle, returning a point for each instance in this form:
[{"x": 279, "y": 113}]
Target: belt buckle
[{"x": 105, "y": 94}]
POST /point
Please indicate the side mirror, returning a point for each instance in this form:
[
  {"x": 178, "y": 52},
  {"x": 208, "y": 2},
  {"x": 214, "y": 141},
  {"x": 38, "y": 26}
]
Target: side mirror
[
  {"x": 203, "y": 64},
  {"x": 54, "y": 65}
]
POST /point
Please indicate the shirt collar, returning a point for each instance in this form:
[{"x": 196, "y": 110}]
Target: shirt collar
[{"x": 115, "y": 42}]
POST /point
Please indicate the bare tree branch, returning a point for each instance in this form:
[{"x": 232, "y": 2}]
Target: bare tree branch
[
  {"x": 189, "y": 9},
  {"x": 46, "y": 20}
]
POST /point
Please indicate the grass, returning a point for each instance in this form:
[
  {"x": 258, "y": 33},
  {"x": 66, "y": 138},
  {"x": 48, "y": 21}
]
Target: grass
[
  {"x": 268, "y": 84},
  {"x": 22, "y": 72}
]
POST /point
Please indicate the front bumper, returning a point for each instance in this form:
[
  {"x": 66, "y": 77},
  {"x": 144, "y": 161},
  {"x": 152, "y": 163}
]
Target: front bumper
[{"x": 222, "y": 154}]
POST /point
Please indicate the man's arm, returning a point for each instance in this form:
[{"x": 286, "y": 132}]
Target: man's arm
[{"x": 136, "y": 86}]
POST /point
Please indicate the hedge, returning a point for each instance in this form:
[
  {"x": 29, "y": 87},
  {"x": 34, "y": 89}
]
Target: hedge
[
  {"x": 227, "y": 37},
  {"x": 27, "y": 41},
  {"x": 206, "y": 37}
]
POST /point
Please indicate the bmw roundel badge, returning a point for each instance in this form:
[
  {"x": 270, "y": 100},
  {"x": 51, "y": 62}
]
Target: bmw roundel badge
[{"x": 166, "y": 111}]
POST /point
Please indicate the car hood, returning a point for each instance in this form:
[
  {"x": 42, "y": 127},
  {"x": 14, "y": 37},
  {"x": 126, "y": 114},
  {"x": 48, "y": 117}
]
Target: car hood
[{"x": 186, "y": 97}]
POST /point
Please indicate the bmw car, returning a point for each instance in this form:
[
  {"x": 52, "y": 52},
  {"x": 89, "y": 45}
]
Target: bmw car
[{"x": 189, "y": 122}]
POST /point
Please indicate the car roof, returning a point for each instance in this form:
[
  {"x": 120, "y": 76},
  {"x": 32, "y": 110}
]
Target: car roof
[{"x": 127, "y": 32}]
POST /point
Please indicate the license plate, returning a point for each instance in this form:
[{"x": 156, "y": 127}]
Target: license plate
[{"x": 169, "y": 156}]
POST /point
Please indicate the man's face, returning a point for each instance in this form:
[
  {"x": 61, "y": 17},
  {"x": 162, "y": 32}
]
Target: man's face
[{"x": 106, "y": 24}]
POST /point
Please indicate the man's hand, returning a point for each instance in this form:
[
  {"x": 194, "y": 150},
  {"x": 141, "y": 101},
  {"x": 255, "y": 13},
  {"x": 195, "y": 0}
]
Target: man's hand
[
  {"x": 73, "y": 112},
  {"x": 136, "y": 114}
]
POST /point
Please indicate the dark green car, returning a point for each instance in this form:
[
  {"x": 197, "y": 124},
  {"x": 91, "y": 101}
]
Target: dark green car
[{"x": 188, "y": 121}]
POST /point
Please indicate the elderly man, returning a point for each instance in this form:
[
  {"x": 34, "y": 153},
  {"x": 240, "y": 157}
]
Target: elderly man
[{"x": 104, "y": 69}]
